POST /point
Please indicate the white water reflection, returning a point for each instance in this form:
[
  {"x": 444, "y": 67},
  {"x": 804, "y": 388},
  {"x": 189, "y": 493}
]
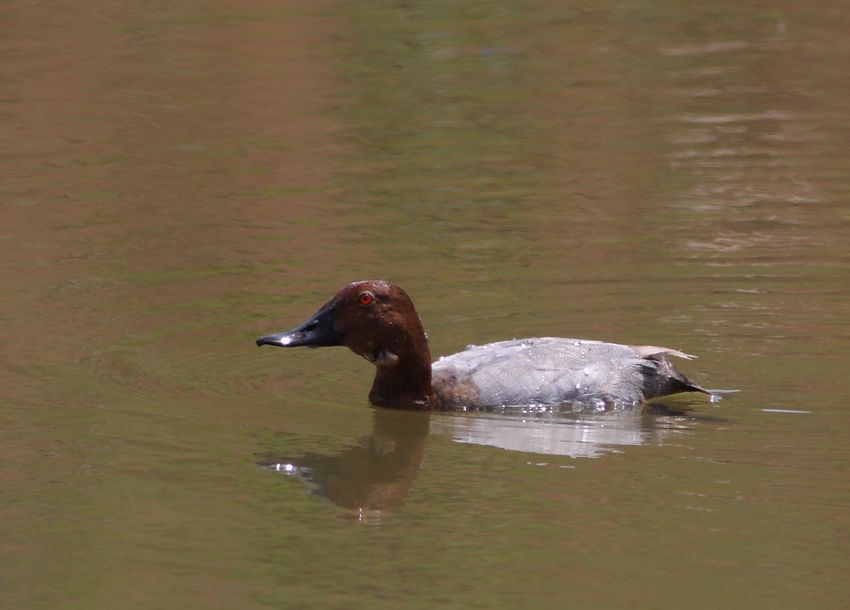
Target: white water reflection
[{"x": 573, "y": 435}]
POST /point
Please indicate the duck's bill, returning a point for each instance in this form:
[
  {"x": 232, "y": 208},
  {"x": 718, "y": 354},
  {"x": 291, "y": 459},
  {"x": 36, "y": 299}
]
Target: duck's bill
[{"x": 318, "y": 331}]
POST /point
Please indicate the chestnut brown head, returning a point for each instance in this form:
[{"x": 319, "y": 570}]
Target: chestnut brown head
[{"x": 373, "y": 318}]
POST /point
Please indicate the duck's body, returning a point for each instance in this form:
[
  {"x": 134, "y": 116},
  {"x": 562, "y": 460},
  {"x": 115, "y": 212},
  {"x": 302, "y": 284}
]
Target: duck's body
[
  {"x": 554, "y": 370},
  {"x": 378, "y": 321}
]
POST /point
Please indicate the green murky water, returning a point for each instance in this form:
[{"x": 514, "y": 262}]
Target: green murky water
[{"x": 179, "y": 179}]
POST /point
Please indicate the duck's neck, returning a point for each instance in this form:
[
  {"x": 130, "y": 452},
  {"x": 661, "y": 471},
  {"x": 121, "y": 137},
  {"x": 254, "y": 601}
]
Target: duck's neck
[{"x": 404, "y": 380}]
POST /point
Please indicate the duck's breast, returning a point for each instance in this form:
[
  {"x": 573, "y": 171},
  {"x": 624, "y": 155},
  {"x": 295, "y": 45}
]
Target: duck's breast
[{"x": 543, "y": 371}]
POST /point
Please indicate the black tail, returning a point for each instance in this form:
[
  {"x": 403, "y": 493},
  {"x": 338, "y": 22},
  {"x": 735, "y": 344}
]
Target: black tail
[{"x": 662, "y": 379}]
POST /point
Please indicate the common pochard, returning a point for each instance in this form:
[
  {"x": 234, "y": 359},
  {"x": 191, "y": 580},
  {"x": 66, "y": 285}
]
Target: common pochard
[{"x": 377, "y": 320}]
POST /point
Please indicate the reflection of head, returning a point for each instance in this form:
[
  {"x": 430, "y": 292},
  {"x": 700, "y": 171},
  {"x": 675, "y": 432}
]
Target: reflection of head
[{"x": 375, "y": 475}]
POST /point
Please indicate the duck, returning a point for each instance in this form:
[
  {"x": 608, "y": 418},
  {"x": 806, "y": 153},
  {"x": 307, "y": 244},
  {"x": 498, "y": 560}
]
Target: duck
[{"x": 378, "y": 321}]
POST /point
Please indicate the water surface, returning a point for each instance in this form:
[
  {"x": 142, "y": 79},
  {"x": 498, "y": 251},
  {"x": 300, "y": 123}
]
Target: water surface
[{"x": 179, "y": 179}]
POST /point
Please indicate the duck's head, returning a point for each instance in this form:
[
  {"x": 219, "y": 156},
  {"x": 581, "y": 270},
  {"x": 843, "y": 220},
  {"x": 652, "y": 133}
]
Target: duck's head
[{"x": 373, "y": 318}]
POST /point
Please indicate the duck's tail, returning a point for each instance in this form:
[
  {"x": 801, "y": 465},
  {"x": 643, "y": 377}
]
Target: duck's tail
[
  {"x": 677, "y": 382},
  {"x": 666, "y": 379}
]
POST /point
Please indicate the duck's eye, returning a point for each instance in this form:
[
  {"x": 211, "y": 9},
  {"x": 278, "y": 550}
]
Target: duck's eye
[{"x": 366, "y": 298}]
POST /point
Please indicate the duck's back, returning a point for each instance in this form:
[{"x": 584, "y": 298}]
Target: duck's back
[{"x": 554, "y": 371}]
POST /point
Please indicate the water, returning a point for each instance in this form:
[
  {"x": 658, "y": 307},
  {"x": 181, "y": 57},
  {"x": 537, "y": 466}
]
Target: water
[{"x": 180, "y": 179}]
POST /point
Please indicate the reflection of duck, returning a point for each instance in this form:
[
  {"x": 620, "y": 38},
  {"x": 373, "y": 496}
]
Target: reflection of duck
[
  {"x": 377, "y": 320},
  {"x": 371, "y": 477},
  {"x": 375, "y": 476},
  {"x": 550, "y": 432}
]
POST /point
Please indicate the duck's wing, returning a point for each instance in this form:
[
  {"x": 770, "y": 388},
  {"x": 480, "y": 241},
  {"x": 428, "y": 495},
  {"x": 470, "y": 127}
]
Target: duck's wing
[{"x": 548, "y": 371}]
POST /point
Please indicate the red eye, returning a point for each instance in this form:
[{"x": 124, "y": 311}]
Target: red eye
[{"x": 366, "y": 298}]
